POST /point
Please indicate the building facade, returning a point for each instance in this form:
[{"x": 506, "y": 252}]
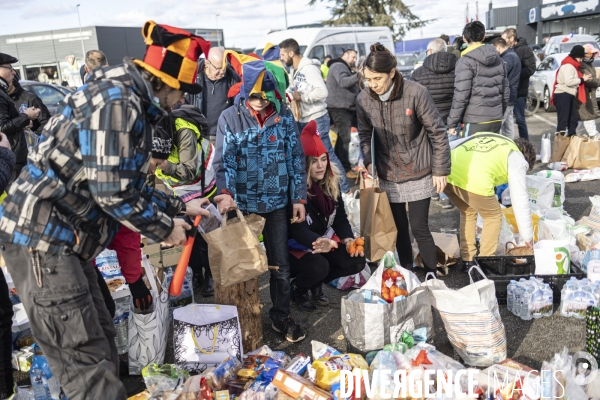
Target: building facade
[{"x": 56, "y": 56}]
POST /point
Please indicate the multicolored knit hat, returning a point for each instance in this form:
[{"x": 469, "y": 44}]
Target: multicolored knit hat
[{"x": 172, "y": 55}]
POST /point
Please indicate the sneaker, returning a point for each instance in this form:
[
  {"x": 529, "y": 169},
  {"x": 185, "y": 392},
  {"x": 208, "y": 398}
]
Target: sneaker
[
  {"x": 466, "y": 266},
  {"x": 208, "y": 289},
  {"x": 435, "y": 197},
  {"x": 303, "y": 302},
  {"x": 318, "y": 296},
  {"x": 293, "y": 333},
  {"x": 445, "y": 203}
]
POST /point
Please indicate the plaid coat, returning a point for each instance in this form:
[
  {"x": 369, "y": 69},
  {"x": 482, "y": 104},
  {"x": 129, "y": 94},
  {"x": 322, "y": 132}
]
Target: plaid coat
[{"x": 88, "y": 173}]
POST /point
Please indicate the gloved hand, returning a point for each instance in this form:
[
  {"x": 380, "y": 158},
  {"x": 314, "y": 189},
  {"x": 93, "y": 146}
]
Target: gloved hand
[{"x": 142, "y": 298}]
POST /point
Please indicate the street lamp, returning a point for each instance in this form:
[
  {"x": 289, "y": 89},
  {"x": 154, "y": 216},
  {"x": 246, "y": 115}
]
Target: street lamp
[
  {"x": 80, "y": 33},
  {"x": 218, "y": 34},
  {"x": 285, "y": 10}
]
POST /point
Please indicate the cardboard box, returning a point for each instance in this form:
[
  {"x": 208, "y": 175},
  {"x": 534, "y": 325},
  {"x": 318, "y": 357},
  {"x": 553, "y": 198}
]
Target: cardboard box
[
  {"x": 162, "y": 257},
  {"x": 296, "y": 386}
]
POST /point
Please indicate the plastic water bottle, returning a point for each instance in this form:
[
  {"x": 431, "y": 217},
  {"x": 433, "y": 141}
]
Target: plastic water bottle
[
  {"x": 510, "y": 295},
  {"x": 597, "y": 294},
  {"x": 39, "y": 383},
  {"x": 537, "y": 303},
  {"x": 526, "y": 303},
  {"x": 549, "y": 301},
  {"x": 579, "y": 301},
  {"x": 121, "y": 324},
  {"x": 565, "y": 295},
  {"x": 517, "y": 299}
]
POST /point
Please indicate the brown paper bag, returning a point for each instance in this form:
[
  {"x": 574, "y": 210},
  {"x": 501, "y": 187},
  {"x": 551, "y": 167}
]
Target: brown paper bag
[
  {"x": 447, "y": 251},
  {"x": 234, "y": 253},
  {"x": 589, "y": 154},
  {"x": 377, "y": 223},
  {"x": 572, "y": 151},
  {"x": 559, "y": 146}
]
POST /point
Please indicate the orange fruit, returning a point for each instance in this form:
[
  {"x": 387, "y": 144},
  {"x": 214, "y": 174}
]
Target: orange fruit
[
  {"x": 352, "y": 249},
  {"x": 395, "y": 274},
  {"x": 360, "y": 249},
  {"x": 385, "y": 290},
  {"x": 360, "y": 242}
]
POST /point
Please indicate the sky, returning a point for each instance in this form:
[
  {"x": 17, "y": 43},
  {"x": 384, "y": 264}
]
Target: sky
[{"x": 244, "y": 22}]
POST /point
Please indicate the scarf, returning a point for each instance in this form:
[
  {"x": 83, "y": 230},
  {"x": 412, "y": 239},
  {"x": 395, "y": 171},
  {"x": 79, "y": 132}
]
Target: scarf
[
  {"x": 324, "y": 203},
  {"x": 580, "y": 89}
]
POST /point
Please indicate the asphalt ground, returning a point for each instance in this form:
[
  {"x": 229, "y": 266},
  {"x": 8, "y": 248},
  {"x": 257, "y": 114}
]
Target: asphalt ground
[{"x": 529, "y": 342}]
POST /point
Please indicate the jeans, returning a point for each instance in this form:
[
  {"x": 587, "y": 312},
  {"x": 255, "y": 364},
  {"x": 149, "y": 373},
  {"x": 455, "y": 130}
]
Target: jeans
[
  {"x": 508, "y": 123},
  {"x": 471, "y": 129},
  {"x": 419, "y": 224},
  {"x": 6, "y": 314},
  {"x": 342, "y": 119},
  {"x": 199, "y": 258},
  {"x": 566, "y": 113},
  {"x": 275, "y": 238},
  {"x": 323, "y": 125},
  {"x": 313, "y": 269},
  {"x": 519, "y": 111},
  {"x": 69, "y": 321}
]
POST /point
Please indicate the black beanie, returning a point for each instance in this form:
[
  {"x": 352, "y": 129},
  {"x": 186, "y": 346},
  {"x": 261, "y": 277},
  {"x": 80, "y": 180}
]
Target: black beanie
[
  {"x": 577, "y": 51},
  {"x": 161, "y": 144}
]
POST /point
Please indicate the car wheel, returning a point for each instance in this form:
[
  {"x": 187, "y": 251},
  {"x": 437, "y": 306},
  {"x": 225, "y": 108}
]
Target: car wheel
[{"x": 547, "y": 106}]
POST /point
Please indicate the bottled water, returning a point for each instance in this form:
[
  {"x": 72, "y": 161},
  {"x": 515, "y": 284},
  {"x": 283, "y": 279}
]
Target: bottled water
[
  {"x": 549, "y": 303},
  {"x": 526, "y": 299},
  {"x": 565, "y": 294},
  {"x": 537, "y": 302},
  {"x": 517, "y": 299},
  {"x": 510, "y": 295},
  {"x": 121, "y": 321}
]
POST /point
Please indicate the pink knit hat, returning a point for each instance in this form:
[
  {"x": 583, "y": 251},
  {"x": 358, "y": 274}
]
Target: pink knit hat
[{"x": 589, "y": 48}]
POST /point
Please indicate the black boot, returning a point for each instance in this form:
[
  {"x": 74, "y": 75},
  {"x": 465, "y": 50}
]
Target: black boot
[
  {"x": 303, "y": 301},
  {"x": 318, "y": 296},
  {"x": 208, "y": 289},
  {"x": 466, "y": 266}
]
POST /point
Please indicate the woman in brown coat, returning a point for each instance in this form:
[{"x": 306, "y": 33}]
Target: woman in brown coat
[
  {"x": 588, "y": 111},
  {"x": 412, "y": 154}
]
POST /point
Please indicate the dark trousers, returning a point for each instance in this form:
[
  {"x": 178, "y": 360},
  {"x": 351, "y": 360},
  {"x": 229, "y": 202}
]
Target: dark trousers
[
  {"x": 471, "y": 129},
  {"x": 69, "y": 321},
  {"x": 342, "y": 119},
  {"x": 418, "y": 215},
  {"x": 199, "y": 258},
  {"x": 312, "y": 269},
  {"x": 275, "y": 236},
  {"x": 6, "y": 315},
  {"x": 519, "y": 112},
  {"x": 566, "y": 113}
]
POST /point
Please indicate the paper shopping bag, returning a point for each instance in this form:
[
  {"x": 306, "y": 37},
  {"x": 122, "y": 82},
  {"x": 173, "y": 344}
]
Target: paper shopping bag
[
  {"x": 589, "y": 154},
  {"x": 234, "y": 253},
  {"x": 572, "y": 151},
  {"x": 204, "y": 335},
  {"x": 559, "y": 147},
  {"x": 472, "y": 319},
  {"x": 552, "y": 257},
  {"x": 148, "y": 332},
  {"x": 447, "y": 251},
  {"x": 377, "y": 224}
]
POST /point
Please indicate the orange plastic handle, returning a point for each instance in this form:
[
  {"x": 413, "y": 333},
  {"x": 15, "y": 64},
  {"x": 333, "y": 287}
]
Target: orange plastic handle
[{"x": 179, "y": 275}]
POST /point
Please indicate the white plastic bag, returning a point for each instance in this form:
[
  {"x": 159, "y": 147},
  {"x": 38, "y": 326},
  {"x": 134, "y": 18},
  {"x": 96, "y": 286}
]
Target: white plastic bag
[
  {"x": 354, "y": 150},
  {"x": 352, "y": 206},
  {"x": 541, "y": 191},
  {"x": 353, "y": 281},
  {"x": 506, "y": 236},
  {"x": 552, "y": 257},
  {"x": 374, "y": 282},
  {"x": 505, "y": 197},
  {"x": 559, "y": 185},
  {"x": 545, "y": 149}
]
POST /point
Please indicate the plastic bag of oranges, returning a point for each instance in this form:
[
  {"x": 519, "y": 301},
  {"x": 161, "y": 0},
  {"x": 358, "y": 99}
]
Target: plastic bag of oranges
[
  {"x": 392, "y": 285},
  {"x": 391, "y": 280}
]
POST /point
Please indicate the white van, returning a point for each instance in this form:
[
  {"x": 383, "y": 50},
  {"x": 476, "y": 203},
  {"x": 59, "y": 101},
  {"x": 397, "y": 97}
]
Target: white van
[{"x": 317, "y": 41}]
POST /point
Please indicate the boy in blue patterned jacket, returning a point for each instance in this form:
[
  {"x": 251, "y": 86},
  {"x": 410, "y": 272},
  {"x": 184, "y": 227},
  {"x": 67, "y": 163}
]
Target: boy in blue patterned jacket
[{"x": 260, "y": 163}]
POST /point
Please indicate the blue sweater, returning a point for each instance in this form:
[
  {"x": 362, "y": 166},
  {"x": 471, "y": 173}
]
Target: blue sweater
[
  {"x": 513, "y": 73},
  {"x": 261, "y": 167}
]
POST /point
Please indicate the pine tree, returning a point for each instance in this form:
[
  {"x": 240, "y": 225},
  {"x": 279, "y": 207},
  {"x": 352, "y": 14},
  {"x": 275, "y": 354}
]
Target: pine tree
[{"x": 391, "y": 13}]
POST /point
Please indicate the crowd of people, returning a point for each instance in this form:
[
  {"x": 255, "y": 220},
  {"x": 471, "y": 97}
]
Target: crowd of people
[{"x": 252, "y": 136}]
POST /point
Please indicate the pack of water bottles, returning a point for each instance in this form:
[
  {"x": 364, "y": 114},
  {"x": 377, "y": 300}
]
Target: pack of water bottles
[
  {"x": 530, "y": 298},
  {"x": 577, "y": 296}
]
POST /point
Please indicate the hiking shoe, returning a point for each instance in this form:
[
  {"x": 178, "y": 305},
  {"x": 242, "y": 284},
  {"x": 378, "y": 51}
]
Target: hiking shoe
[
  {"x": 303, "y": 302},
  {"x": 318, "y": 296},
  {"x": 293, "y": 333},
  {"x": 445, "y": 203},
  {"x": 208, "y": 289}
]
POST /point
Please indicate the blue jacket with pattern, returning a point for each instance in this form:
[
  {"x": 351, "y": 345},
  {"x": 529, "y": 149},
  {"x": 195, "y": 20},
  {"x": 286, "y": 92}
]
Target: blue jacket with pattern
[
  {"x": 87, "y": 175},
  {"x": 262, "y": 167}
]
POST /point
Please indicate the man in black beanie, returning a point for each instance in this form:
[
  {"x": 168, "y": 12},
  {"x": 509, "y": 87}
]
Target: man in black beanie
[{"x": 12, "y": 121}]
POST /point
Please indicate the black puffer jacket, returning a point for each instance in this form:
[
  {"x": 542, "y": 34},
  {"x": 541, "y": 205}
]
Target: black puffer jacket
[
  {"x": 410, "y": 136},
  {"x": 527, "y": 65},
  {"x": 437, "y": 75},
  {"x": 7, "y": 167},
  {"x": 481, "y": 89},
  {"x": 22, "y": 96},
  {"x": 12, "y": 124}
]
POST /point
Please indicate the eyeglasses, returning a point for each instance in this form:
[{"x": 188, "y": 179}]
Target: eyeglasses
[
  {"x": 212, "y": 65},
  {"x": 10, "y": 68}
]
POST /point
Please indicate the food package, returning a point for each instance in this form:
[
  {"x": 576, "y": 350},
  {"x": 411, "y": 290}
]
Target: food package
[
  {"x": 161, "y": 380},
  {"x": 296, "y": 386},
  {"x": 328, "y": 369},
  {"x": 321, "y": 350},
  {"x": 298, "y": 364},
  {"x": 519, "y": 377},
  {"x": 237, "y": 386},
  {"x": 277, "y": 355},
  {"x": 108, "y": 265},
  {"x": 223, "y": 372},
  {"x": 259, "y": 367}
]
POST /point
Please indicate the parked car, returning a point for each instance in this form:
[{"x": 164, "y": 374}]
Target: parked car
[
  {"x": 543, "y": 79},
  {"x": 564, "y": 43},
  {"x": 406, "y": 63},
  {"x": 420, "y": 59},
  {"x": 50, "y": 94}
]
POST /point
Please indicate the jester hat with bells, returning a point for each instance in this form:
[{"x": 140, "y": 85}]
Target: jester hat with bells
[
  {"x": 172, "y": 55},
  {"x": 259, "y": 75}
]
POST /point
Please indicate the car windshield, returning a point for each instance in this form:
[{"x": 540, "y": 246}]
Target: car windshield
[
  {"x": 566, "y": 47},
  {"x": 422, "y": 57},
  {"x": 406, "y": 60},
  {"x": 48, "y": 94}
]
